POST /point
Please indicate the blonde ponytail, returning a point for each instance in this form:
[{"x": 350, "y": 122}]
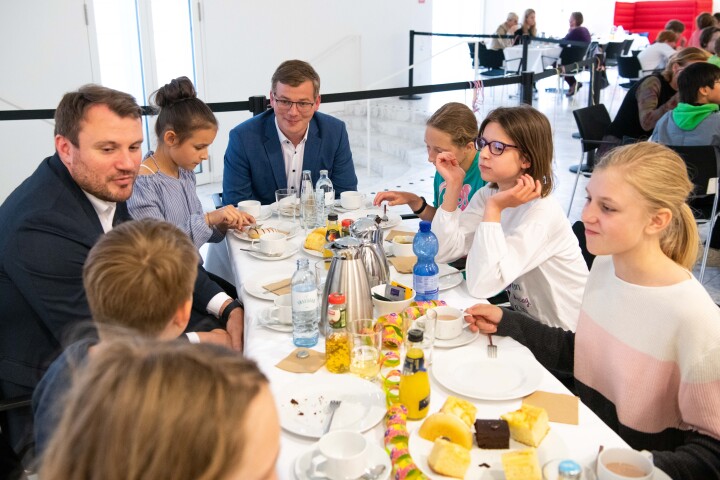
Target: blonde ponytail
[{"x": 660, "y": 176}]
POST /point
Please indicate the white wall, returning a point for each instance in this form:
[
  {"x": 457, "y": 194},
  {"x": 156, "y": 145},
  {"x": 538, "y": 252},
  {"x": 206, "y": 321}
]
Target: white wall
[
  {"x": 36, "y": 71},
  {"x": 352, "y": 45}
]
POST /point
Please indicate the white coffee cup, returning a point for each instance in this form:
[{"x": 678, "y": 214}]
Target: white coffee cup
[
  {"x": 250, "y": 206},
  {"x": 341, "y": 455},
  {"x": 272, "y": 243},
  {"x": 351, "y": 200},
  {"x": 449, "y": 322},
  {"x": 281, "y": 312},
  {"x": 402, "y": 246},
  {"x": 618, "y": 463}
]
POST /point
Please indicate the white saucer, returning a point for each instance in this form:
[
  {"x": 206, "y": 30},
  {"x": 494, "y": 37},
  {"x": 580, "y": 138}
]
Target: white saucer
[
  {"x": 290, "y": 250},
  {"x": 313, "y": 253},
  {"x": 464, "y": 338},
  {"x": 264, "y": 320},
  {"x": 376, "y": 456}
]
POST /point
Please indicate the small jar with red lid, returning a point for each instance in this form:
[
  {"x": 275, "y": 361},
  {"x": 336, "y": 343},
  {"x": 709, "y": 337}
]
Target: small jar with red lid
[{"x": 337, "y": 339}]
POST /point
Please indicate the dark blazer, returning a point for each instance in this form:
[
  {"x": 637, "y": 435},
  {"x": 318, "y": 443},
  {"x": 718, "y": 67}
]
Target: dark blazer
[
  {"x": 48, "y": 226},
  {"x": 255, "y": 167}
]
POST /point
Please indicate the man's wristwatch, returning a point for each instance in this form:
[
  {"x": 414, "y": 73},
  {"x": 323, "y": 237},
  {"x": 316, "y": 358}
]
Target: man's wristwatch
[
  {"x": 231, "y": 306},
  {"x": 422, "y": 207}
]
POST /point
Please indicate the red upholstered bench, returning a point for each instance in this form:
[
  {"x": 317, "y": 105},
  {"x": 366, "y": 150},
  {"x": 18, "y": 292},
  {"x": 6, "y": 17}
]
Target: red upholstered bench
[{"x": 651, "y": 17}]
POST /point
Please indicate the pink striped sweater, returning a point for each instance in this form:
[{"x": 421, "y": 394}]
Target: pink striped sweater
[{"x": 647, "y": 361}]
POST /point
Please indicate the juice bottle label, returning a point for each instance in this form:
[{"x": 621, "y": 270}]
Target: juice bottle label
[
  {"x": 424, "y": 403},
  {"x": 336, "y": 317},
  {"x": 413, "y": 365}
]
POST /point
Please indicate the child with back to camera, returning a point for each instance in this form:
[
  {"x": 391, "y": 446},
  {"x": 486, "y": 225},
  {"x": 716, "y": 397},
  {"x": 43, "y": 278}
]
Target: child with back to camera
[
  {"x": 451, "y": 131},
  {"x": 139, "y": 280},
  {"x": 166, "y": 410},
  {"x": 646, "y": 353},
  {"x": 514, "y": 233},
  {"x": 165, "y": 188}
]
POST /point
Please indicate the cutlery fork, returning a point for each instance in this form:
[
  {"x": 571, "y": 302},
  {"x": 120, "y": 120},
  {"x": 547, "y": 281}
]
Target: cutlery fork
[
  {"x": 491, "y": 349},
  {"x": 334, "y": 404}
]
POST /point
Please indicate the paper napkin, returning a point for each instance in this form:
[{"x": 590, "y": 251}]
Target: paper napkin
[
  {"x": 403, "y": 264},
  {"x": 279, "y": 288},
  {"x": 309, "y": 364},
  {"x": 561, "y": 408}
]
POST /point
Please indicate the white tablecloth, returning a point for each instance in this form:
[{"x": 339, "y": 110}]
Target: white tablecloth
[
  {"x": 268, "y": 347},
  {"x": 535, "y": 54}
]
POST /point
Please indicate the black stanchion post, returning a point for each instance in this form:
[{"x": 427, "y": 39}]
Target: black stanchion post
[
  {"x": 526, "y": 87},
  {"x": 523, "y": 60},
  {"x": 594, "y": 97},
  {"x": 258, "y": 104},
  {"x": 411, "y": 96}
]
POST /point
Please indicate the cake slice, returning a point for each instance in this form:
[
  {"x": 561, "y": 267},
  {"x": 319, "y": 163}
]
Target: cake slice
[
  {"x": 446, "y": 425},
  {"x": 492, "y": 434},
  {"x": 529, "y": 425},
  {"x": 463, "y": 409},
  {"x": 521, "y": 465},
  {"x": 447, "y": 458}
]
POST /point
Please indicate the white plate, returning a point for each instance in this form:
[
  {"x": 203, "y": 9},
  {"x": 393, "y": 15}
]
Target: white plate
[
  {"x": 253, "y": 286},
  {"x": 313, "y": 253},
  {"x": 464, "y": 338},
  {"x": 445, "y": 283},
  {"x": 303, "y": 405},
  {"x": 290, "y": 250},
  {"x": 551, "y": 447},
  {"x": 393, "y": 218},
  {"x": 339, "y": 208},
  {"x": 289, "y": 228},
  {"x": 510, "y": 375},
  {"x": 376, "y": 456},
  {"x": 264, "y": 320}
]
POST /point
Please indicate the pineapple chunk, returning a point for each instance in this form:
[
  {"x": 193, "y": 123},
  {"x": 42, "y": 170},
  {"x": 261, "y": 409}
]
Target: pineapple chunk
[
  {"x": 521, "y": 465},
  {"x": 316, "y": 240},
  {"x": 447, "y": 458},
  {"x": 463, "y": 409},
  {"x": 448, "y": 426},
  {"x": 529, "y": 425}
]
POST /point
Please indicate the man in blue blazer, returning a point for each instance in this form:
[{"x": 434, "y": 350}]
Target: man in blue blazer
[
  {"x": 50, "y": 223},
  {"x": 269, "y": 152}
]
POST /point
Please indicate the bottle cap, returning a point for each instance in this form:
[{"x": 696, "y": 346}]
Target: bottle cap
[
  {"x": 425, "y": 226},
  {"x": 336, "y": 298},
  {"x": 415, "y": 335},
  {"x": 569, "y": 469},
  {"x": 333, "y": 217},
  {"x": 347, "y": 222}
]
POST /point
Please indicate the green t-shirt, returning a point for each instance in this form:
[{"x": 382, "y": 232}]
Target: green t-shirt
[{"x": 471, "y": 184}]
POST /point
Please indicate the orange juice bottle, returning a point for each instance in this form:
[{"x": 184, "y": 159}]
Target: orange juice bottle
[
  {"x": 332, "y": 233},
  {"x": 414, "y": 381}
]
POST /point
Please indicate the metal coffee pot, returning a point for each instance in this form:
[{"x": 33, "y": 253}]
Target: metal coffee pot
[
  {"x": 347, "y": 275},
  {"x": 368, "y": 231}
]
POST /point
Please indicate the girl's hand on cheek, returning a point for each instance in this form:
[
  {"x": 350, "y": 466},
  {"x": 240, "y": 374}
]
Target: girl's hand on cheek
[
  {"x": 449, "y": 168},
  {"x": 525, "y": 190}
]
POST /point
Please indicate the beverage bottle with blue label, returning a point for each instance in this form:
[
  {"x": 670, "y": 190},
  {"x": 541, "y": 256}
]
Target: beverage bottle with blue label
[
  {"x": 324, "y": 197},
  {"x": 425, "y": 272},
  {"x": 304, "y": 306}
]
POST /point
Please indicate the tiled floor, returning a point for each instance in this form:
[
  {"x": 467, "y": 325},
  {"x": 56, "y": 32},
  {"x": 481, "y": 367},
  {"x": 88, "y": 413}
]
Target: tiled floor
[{"x": 418, "y": 176}]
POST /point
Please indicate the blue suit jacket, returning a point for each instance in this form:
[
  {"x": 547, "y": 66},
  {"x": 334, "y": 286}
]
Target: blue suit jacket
[
  {"x": 254, "y": 164},
  {"x": 48, "y": 227}
]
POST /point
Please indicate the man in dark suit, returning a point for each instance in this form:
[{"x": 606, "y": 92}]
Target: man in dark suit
[
  {"x": 269, "y": 152},
  {"x": 49, "y": 224}
]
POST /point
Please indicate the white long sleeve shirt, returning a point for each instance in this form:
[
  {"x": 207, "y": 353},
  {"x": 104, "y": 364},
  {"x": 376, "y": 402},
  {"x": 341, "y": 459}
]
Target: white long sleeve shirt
[{"x": 532, "y": 252}]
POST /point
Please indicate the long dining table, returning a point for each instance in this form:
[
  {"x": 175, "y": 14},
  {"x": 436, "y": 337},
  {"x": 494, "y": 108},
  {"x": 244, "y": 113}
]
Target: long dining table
[{"x": 268, "y": 347}]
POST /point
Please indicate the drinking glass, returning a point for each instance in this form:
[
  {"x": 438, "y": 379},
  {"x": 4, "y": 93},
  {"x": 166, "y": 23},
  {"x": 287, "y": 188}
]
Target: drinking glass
[
  {"x": 321, "y": 273},
  {"x": 288, "y": 203},
  {"x": 366, "y": 348}
]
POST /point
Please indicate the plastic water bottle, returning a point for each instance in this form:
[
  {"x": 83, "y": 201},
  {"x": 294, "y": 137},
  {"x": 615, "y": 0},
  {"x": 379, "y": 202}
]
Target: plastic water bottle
[
  {"x": 307, "y": 201},
  {"x": 304, "y": 306},
  {"x": 324, "y": 197},
  {"x": 425, "y": 271}
]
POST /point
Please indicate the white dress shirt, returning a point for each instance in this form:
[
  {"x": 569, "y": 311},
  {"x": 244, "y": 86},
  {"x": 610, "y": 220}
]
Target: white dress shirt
[
  {"x": 105, "y": 211},
  {"x": 293, "y": 156}
]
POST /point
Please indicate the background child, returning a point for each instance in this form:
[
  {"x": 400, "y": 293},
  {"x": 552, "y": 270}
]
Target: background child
[
  {"x": 450, "y": 130},
  {"x": 514, "y": 233},
  {"x": 139, "y": 280},
  {"x": 166, "y": 410},
  {"x": 165, "y": 188},
  {"x": 695, "y": 120},
  {"x": 646, "y": 354}
]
